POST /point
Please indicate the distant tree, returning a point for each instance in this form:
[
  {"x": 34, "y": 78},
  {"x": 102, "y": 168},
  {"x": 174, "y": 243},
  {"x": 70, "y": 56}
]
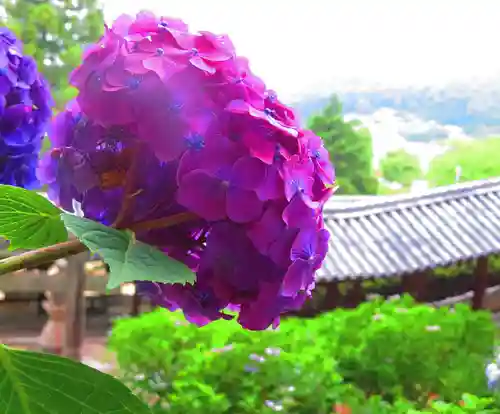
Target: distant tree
[
  {"x": 54, "y": 32},
  {"x": 401, "y": 167},
  {"x": 478, "y": 159},
  {"x": 350, "y": 147}
]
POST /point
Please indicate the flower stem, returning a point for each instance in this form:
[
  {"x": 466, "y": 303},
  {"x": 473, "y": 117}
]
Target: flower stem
[
  {"x": 130, "y": 191},
  {"x": 41, "y": 256},
  {"x": 163, "y": 222},
  {"x": 35, "y": 258}
]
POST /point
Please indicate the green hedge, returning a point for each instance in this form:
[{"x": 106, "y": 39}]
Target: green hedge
[{"x": 383, "y": 357}]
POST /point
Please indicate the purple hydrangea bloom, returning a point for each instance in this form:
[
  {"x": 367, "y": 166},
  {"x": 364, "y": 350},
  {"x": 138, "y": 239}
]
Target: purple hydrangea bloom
[
  {"x": 25, "y": 109},
  {"x": 169, "y": 123}
]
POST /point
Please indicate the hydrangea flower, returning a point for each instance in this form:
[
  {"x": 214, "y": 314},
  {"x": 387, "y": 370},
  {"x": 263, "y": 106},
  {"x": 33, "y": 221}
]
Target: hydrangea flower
[
  {"x": 25, "y": 110},
  {"x": 173, "y": 125},
  {"x": 492, "y": 372}
]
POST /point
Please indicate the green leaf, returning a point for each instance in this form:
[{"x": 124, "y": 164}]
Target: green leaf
[
  {"x": 28, "y": 220},
  {"x": 36, "y": 383},
  {"x": 129, "y": 260}
]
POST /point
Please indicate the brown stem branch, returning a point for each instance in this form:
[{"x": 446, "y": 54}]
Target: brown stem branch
[
  {"x": 163, "y": 222},
  {"x": 42, "y": 256},
  {"x": 129, "y": 192},
  {"x": 49, "y": 254}
]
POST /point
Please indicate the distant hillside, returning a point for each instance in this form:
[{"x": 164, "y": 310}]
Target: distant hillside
[{"x": 473, "y": 108}]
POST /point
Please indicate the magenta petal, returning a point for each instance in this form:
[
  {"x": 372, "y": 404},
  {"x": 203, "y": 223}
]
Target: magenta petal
[
  {"x": 184, "y": 40},
  {"x": 107, "y": 107},
  {"x": 162, "y": 66},
  {"x": 261, "y": 145},
  {"x": 200, "y": 63},
  {"x": 98, "y": 56},
  {"x": 217, "y": 56},
  {"x": 296, "y": 278},
  {"x": 267, "y": 229},
  {"x": 145, "y": 22},
  {"x": 191, "y": 161},
  {"x": 135, "y": 63},
  {"x": 157, "y": 127},
  {"x": 221, "y": 42},
  {"x": 298, "y": 214},
  {"x": 122, "y": 24},
  {"x": 116, "y": 76},
  {"x": 242, "y": 205},
  {"x": 248, "y": 173},
  {"x": 217, "y": 154},
  {"x": 322, "y": 243},
  {"x": 304, "y": 245},
  {"x": 60, "y": 134},
  {"x": 279, "y": 250},
  {"x": 175, "y": 24},
  {"x": 241, "y": 107},
  {"x": 298, "y": 173},
  {"x": 273, "y": 186},
  {"x": 48, "y": 167},
  {"x": 238, "y": 106},
  {"x": 155, "y": 64},
  {"x": 203, "y": 195}
]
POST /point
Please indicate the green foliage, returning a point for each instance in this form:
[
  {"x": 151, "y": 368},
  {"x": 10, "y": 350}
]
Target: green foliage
[
  {"x": 350, "y": 148},
  {"x": 129, "y": 260},
  {"x": 474, "y": 157},
  {"x": 383, "y": 357},
  {"x": 401, "y": 167},
  {"x": 54, "y": 32},
  {"x": 35, "y": 383},
  {"x": 467, "y": 267},
  {"x": 28, "y": 220},
  {"x": 423, "y": 356}
]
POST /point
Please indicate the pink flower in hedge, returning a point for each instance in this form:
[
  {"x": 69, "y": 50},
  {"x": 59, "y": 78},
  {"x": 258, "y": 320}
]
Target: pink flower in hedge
[{"x": 169, "y": 123}]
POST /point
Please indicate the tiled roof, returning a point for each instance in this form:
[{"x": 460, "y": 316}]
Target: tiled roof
[{"x": 394, "y": 235}]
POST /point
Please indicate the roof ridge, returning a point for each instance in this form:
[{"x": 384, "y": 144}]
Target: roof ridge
[{"x": 403, "y": 201}]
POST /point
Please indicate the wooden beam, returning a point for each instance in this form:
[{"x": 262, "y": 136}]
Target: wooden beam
[
  {"x": 332, "y": 295},
  {"x": 415, "y": 284},
  {"x": 355, "y": 293},
  {"x": 136, "y": 303},
  {"x": 480, "y": 283},
  {"x": 34, "y": 281},
  {"x": 75, "y": 306},
  {"x": 51, "y": 339}
]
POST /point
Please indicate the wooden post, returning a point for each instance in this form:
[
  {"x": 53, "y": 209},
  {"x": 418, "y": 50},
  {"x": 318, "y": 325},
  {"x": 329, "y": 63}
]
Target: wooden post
[
  {"x": 480, "y": 282},
  {"x": 332, "y": 295},
  {"x": 355, "y": 293},
  {"x": 75, "y": 306},
  {"x": 415, "y": 284},
  {"x": 136, "y": 303},
  {"x": 51, "y": 339}
]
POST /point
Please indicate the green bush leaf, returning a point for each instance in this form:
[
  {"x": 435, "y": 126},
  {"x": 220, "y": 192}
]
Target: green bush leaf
[
  {"x": 28, "y": 220},
  {"x": 129, "y": 260},
  {"x": 35, "y": 383}
]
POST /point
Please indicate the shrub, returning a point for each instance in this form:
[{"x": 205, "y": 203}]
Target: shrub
[
  {"x": 398, "y": 347},
  {"x": 383, "y": 357},
  {"x": 222, "y": 368}
]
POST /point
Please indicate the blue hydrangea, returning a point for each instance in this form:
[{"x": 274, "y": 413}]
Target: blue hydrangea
[
  {"x": 25, "y": 110},
  {"x": 492, "y": 372}
]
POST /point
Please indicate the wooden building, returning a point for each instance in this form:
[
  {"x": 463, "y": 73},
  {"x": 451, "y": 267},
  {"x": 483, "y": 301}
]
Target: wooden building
[{"x": 375, "y": 238}]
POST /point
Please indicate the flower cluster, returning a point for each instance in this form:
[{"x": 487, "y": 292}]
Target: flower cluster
[
  {"x": 173, "y": 127},
  {"x": 25, "y": 110},
  {"x": 492, "y": 372}
]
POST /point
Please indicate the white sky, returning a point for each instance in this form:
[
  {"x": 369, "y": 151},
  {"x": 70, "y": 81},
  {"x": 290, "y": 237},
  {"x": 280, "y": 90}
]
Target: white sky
[{"x": 310, "y": 46}]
